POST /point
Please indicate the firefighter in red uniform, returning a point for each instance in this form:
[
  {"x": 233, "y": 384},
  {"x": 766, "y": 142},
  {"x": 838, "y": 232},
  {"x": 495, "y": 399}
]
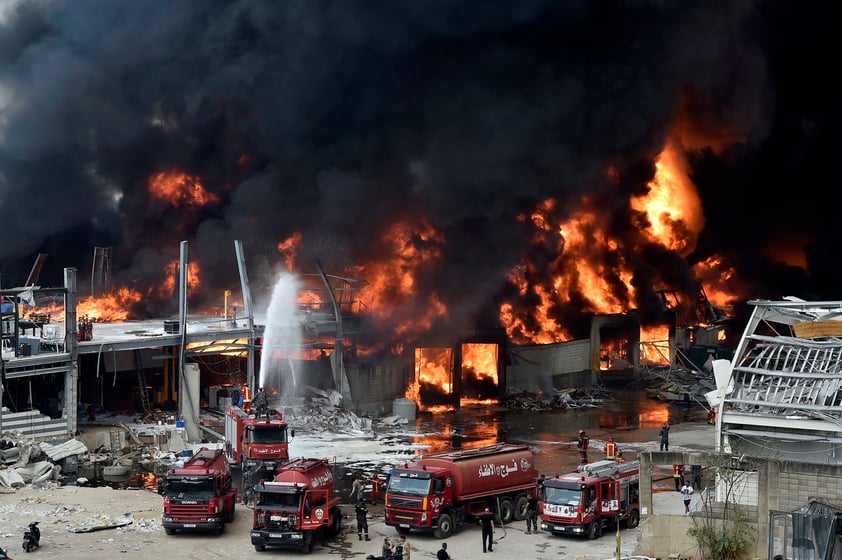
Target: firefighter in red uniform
[
  {"x": 712, "y": 416},
  {"x": 678, "y": 476},
  {"x": 611, "y": 449},
  {"x": 582, "y": 446},
  {"x": 376, "y": 487},
  {"x": 245, "y": 396}
]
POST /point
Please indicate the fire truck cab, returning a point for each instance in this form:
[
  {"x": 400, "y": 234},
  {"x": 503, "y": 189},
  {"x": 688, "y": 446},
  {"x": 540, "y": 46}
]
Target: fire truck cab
[{"x": 593, "y": 497}]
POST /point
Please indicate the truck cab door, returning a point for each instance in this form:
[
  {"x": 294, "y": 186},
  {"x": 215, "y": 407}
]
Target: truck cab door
[{"x": 609, "y": 497}]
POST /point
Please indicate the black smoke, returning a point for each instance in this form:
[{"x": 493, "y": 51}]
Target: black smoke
[{"x": 334, "y": 118}]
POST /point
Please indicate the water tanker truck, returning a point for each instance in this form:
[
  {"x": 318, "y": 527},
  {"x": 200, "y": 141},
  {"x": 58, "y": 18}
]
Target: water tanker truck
[
  {"x": 441, "y": 491},
  {"x": 297, "y": 507}
]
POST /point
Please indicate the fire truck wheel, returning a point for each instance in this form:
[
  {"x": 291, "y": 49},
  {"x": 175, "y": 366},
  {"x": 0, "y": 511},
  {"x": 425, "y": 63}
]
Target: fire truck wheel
[
  {"x": 520, "y": 508},
  {"x": 595, "y": 530},
  {"x": 260, "y": 547},
  {"x": 507, "y": 511},
  {"x": 336, "y": 524},
  {"x": 169, "y": 531},
  {"x": 633, "y": 520},
  {"x": 445, "y": 526},
  {"x": 307, "y": 548}
]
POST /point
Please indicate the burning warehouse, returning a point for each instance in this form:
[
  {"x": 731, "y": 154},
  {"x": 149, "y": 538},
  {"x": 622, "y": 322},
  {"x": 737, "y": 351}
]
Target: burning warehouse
[{"x": 490, "y": 183}]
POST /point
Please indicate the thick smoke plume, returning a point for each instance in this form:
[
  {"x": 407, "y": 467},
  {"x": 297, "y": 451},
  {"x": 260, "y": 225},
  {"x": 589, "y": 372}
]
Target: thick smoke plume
[{"x": 335, "y": 119}]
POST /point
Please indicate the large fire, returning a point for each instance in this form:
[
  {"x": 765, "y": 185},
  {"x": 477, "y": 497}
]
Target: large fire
[{"x": 588, "y": 270}]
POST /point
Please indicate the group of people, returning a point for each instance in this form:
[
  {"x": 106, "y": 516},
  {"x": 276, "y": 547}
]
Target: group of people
[
  {"x": 396, "y": 550},
  {"x": 612, "y": 450}
]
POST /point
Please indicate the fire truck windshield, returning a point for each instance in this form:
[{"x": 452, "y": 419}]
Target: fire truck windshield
[
  {"x": 269, "y": 435},
  {"x": 410, "y": 486},
  {"x": 181, "y": 489},
  {"x": 279, "y": 500},
  {"x": 562, "y": 496}
]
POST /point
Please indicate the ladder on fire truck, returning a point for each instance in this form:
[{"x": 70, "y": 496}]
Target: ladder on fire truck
[{"x": 607, "y": 468}]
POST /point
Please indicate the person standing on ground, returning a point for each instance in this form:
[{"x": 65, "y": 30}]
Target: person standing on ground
[
  {"x": 678, "y": 476},
  {"x": 376, "y": 487},
  {"x": 541, "y": 480},
  {"x": 686, "y": 492},
  {"x": 696, "y": 473},
  {"x": 358, "y": 489},
  {"x": 532, "y": 515},
  {"x": 362, "y": 520},
  {"x": 665, "y": 437},
  {"x": 486, "y": 519},
  {"x": 442, "y": 553},
  {"x": 249, "y": 481},
  {"x": 582, "y": 446}
]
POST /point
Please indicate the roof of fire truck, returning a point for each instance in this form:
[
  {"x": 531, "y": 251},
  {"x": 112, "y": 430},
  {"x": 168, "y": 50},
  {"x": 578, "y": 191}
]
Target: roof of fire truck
[{"x": 599, "y": 470}]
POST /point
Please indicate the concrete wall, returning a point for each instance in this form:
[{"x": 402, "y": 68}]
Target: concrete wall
[
  {"x": 548, "y": 366},
  {"x": 781, "y": 486},
  {"x": 375, "y": 386}
]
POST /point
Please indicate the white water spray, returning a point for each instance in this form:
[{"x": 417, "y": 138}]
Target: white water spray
[{"x": 281, "y": 341}]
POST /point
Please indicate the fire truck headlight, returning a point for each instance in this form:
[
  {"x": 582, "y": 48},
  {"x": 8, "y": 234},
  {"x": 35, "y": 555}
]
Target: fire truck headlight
[{"x": 424, "y": 516}]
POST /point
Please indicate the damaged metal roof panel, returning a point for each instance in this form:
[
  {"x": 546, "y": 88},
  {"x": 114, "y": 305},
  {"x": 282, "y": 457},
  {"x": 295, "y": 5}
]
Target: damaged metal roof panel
[{"x": 786, "y": 383}]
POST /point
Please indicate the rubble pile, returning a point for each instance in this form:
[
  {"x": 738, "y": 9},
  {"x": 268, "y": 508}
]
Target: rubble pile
[{"x": 585, "y": 397}]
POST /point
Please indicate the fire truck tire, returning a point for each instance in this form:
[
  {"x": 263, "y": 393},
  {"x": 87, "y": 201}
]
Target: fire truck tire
[
  {"x": 445, "y": 526},
  {"x": 595, "y": 530},
  {"x": 307, "y": 547},
  {"x": 169, "y": 531},
  {"x": 336, "y": 524},
  {"x": 260, "y": 547},
  {"x": 507, "y": 511},
  {"x": 633, "y": 520},
  {"x": 520, "y": 508}
]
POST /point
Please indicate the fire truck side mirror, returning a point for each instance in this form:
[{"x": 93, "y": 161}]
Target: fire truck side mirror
[{"x": 292, "y": 433}]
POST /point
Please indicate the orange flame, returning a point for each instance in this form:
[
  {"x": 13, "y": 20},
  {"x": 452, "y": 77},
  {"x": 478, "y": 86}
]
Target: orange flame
[
  {"x": 111, "y": 307},
  {"x": 180, "y": 189}
]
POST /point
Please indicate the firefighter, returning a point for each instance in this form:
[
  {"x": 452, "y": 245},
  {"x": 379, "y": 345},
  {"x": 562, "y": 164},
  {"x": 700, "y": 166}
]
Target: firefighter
[
  {"x": 712, "y": 416},
  {"x": 664, "y": 435},
  {"x": 376, "y": 487},
  {"x": 245, "y": 398},
  {"x": 582, "y": 446},
  {"x": 362, "y": 520},
  {"x": 247, "y": 494},
  {"x": 261, "y": 403},
  {"x": 678, "y": 475},
  {"x": 611, "y": 449}
]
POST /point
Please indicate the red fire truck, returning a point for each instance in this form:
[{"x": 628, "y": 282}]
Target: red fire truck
[
  {"x": 297, "y": 507},
  {"x": 438, "y": 492},
  {"x": 200, "y": 495},
  {"x": 596, "y": 495},
  {"x": 253, "y": 441}
]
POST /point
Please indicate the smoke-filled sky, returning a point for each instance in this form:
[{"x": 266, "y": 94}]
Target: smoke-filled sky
[{"x": 337, "y": 119}]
